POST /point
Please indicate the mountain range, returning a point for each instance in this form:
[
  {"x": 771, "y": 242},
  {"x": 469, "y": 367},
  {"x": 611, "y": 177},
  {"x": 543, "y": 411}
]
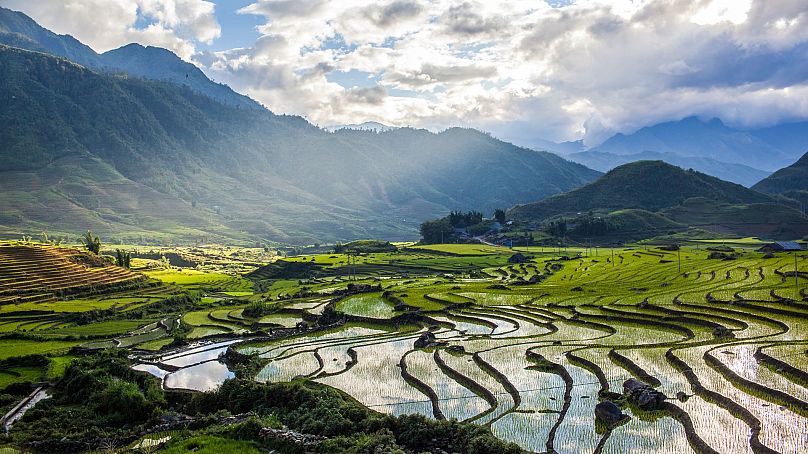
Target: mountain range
[
  {"x": 19, "y": 30},
  {"x": 151, "y": 160},
  {"x": 709, "y": 146}
]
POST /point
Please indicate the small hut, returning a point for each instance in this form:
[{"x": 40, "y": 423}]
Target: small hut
[{"x": 781, "y": 246}]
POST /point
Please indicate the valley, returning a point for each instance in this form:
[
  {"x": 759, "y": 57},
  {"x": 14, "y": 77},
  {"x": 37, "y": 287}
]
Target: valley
[{"x": 524, "y": 342}]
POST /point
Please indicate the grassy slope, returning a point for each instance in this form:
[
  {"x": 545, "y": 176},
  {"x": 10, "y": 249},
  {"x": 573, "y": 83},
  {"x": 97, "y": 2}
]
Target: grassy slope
[
  {"x": 648, "y": 185},
  {"x": 791, "y": 181}
]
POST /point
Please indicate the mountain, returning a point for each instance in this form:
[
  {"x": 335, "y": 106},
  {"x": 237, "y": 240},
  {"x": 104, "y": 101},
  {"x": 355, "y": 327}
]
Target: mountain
[
  {"x": 791, "y": 182},
  {"x": 161, "y": 64},
  {"x": 767, "y": 149},
  {"x": 645, "y": 199},
  {"x": 144, "y": 159},
  {"x": 736, "y": 173},
  {"x": 646, "y": 185},
  {"x": 562, "y": 148},
  {"x": 19, "y": 30}
]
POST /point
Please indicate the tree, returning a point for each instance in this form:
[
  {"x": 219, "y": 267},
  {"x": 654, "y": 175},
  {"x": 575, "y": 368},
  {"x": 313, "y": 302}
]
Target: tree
[
  {"x": 92, "y": 243},
  {"x": 437, "y": 231},
  {"x": 123, "y": 258},
  {"x": 499, "y": 215}
]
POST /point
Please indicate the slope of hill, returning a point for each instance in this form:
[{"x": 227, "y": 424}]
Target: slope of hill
[
  {"x": 136, "y": 155},
  {"x": 736, "y": 173},
  {"x": 647, "y": 185},
  {"x": 38, "y": 273},
  {"x": 765, "y": 220},
  {"x": 791, "y": 181},
  {"x": 19, "y": 30},
  {"x": 766, "y": 149}
]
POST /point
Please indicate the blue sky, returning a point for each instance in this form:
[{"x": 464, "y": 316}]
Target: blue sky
[{"x": 524, "y": 70}]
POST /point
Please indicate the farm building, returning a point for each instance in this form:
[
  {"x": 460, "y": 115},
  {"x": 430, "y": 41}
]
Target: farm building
[{"x": 779, "y": 246}]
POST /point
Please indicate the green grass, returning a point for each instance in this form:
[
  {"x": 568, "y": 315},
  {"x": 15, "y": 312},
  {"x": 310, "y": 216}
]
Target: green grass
[
  {"x": 155, "y": 344},
  {"x": 10, "y": 348},
  {"x": 464, "y": 249},
  {"x": 370, "y": 305},
  {"x": 58, "y": 365},
  {"x": 206, "y": 444},
  {"x": 20, "y": 374},
  {"x": 108, "y": 328},
  {"x": 193, "y": 279}
]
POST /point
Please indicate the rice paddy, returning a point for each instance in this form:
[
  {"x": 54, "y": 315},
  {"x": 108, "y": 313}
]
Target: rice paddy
[{"x": 527, "y": 349}]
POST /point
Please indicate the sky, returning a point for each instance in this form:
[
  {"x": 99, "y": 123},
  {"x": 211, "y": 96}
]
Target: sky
[{"x": 523, "y": 70}]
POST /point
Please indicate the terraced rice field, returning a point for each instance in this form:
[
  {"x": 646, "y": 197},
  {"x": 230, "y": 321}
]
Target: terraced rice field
[
  {"x": 527, "y": 349},
  {"x": 725, "y": 341}
]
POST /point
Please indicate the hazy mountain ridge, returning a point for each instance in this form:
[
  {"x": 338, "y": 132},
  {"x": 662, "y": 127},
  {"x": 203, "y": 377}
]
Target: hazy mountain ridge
[
  {"x": 767, "y": 149},
  {"x": 262, "y": 174},
  {"x": 19, "y": 30}
]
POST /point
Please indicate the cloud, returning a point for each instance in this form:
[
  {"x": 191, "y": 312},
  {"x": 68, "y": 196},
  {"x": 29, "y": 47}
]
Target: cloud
[
  {"x": 109, "y": 24},
  {"x": 522, "y": 69}
]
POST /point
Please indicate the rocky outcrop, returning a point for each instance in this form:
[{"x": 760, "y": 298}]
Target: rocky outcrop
[
  {"x": 427, "y": 340},
  {"x": 305, "y": 441},
  {"x": 643, "y": 395}
]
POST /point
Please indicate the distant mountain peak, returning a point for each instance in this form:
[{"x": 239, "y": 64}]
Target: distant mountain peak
[
  {"x": 766, "y": 149},
  {"x": 149, "y": 62}
]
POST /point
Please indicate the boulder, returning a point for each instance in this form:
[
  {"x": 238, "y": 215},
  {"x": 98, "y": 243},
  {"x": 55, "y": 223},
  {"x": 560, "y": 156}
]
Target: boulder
[
  {"x": 722, "y": 332},
  {"x": 425, "y": 340},
  {"x": 643, "y": 395},
  {"x": 608, "y": 413}
]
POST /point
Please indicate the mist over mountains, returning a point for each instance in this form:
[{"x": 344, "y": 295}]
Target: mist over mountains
[
  {"x": 741, "y": 156},
  {"x": 139, "y": 144},
  {"x": 115, "y": 153}
]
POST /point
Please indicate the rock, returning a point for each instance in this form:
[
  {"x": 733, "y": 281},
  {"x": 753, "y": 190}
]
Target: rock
[
  {"x": 722, "y": 332},
  {"x": 643, "y": 395},
  {"x": 456, "y": 349},
  {"x": 426, "y": 340},
  {"x": 608, "y": 413}
]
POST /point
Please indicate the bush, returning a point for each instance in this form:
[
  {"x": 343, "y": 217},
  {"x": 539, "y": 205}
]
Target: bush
[{"x": 316, "y": 409}]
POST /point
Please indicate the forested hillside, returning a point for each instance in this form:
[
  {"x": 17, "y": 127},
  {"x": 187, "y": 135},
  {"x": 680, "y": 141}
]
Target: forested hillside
[{"x": 207, "y": 165}]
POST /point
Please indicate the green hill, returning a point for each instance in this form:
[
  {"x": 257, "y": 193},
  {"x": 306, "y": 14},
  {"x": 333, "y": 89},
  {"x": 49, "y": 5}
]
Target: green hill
[
  {"x": 791, "y": 181},
  {"x": 646, "y": 185},
  {"x": 766, "y": 220},
  {"x": 646, "y": 199},
  {"x": 142, "y": 159}
]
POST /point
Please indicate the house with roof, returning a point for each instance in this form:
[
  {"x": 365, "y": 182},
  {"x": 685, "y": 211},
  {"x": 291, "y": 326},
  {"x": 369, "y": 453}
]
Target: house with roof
[{"x": 781, "y": 246}]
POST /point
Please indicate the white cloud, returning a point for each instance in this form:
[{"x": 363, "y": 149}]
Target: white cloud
[
  {"x": 109, "y": 24},
  {"x": 519, "y": 68}
]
